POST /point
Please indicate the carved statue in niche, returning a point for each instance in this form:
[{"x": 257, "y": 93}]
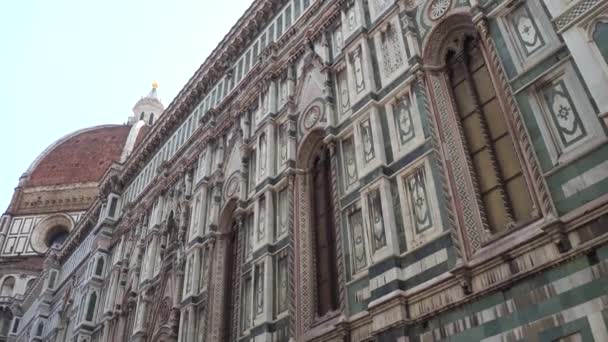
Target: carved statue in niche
[
  {"x": 377, "y": 222},
  {"x": 262, "y": 219},
  {"x": 189, "y": 276},
  {"x": 419, "y": 202},
  {"x": 367, "y": 139},
  {"x": 219, "y": 153},
  {"x": 283, "y": 143},
  {"x": 264, "y": 103},
  {"x": 350, "y": 161},
  {"x": 188, "y": 185},
  {"x": 344, "y": 98},
  {"x": 352, "y": 19},
  {"x": 358, "y": 69},
  {"x": 204, "y": 163},
  {"x": 250, "y": 230},
  {"x": 282, "y": 284},
  {"x": 403, "y": 120},
  {"x": 339, "y": 41},
  {"x": 263, "y": 158},
  {"x": 283, "y": 206},
  {"x": 205, "y": 267},
  {"x": 357, "y": 241},
  {"x": 259, "y": 289}
]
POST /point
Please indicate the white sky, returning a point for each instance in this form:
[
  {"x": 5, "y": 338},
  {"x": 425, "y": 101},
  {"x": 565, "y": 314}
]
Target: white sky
[{"x": 71, "y": 64}]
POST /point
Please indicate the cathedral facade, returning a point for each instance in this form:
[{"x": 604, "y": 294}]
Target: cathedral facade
[{"x": 336, "y": 170}]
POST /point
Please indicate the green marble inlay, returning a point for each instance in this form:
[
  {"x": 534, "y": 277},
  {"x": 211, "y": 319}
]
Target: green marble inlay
[
  {"x": 567, "y": 173},
  {"x": 602, "y": 252},
  {"x": 356, "y": 305},
  {"x": 534, "y": 312},
  {"x": 518, "y": 293},
  {"x": 501, "y": 48},
  {"x": 579, "y": 326},
  {"x": 534, "y": 132}
]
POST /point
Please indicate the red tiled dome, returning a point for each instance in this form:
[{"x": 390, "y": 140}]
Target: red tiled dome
[{"x": 80, "y": 157}]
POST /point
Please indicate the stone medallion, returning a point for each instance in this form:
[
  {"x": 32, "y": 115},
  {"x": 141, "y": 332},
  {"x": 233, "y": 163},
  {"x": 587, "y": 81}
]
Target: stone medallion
[
  {"x": 312, "y": 116},
  {"x": 232, "y": 187},
  {"x": 439, "y": 8}
]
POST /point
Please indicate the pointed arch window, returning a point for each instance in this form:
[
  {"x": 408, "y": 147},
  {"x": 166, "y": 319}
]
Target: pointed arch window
[
  {"x": 91, "y": 307},
  {"x": 496, "y": 170},
  {"x": 8, "y": 285},
  {"x": 99, "y": 266}
]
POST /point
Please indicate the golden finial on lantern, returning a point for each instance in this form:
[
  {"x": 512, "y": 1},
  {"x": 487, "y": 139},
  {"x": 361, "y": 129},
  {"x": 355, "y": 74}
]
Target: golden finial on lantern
[{"x": 154, "y": 84}]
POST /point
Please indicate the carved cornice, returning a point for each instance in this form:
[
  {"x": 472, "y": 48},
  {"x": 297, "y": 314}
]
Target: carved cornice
[
  {"x": 247, "y": 98},
  {"x": 234, "y": 43}
]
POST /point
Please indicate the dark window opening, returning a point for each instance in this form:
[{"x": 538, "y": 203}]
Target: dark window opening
[
  {"x": 501, "y": 184},
  {"x": 91, "y": 307},
  {"x": 39, "y": 329},
  {"x": 113, "y": 203},
  {"x": 324, "y": 232},
  {"x": 99, "y": 267},
  {"x": 56, "y": 236}
]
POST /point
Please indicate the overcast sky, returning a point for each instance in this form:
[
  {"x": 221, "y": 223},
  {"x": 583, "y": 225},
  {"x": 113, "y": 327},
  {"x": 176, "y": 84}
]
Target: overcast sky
[{"x": 71, "y": 64}]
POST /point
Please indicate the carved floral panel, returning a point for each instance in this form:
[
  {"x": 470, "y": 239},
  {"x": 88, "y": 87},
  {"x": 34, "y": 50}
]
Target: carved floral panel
[
  {"x": 567, "y": 123},
  {"x": 526, "y": 29}
]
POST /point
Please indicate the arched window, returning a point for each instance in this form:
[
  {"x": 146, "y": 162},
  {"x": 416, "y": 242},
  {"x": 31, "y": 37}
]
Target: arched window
[
  {"x": 600, "y": 37},
  {"x": 141, "y": 116},
  {"x": 324, "y": 233},
  {"x": 8, "y": 285},
  {"x": 91, "y": 307},
  {"x": 99, "y": 266},
  {"x": 151, "y": 119},
  {"x": 501, "y": 185}
]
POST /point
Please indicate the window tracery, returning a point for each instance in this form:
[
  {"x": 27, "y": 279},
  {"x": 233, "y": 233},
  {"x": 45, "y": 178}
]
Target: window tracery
[{"x": 498, "y": 174}]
